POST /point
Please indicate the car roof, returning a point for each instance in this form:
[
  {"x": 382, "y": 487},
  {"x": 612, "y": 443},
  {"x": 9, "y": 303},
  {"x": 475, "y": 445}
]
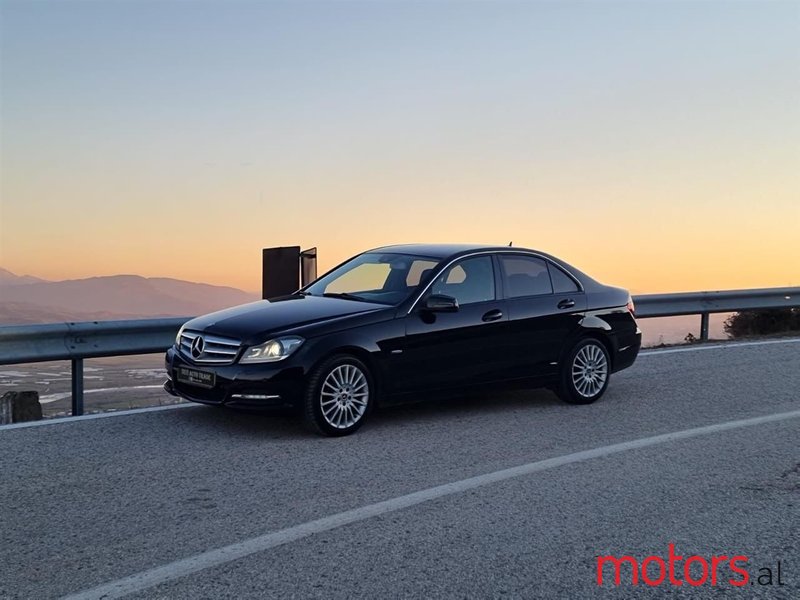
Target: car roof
[
  {"x": 440, "y": 250},
  {"x": 452, "y": 251},
  {"x": 444, "y": 251}
]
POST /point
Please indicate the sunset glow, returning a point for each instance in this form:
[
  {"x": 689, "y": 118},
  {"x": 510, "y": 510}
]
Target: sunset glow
[{"x": 653, "y": 145}]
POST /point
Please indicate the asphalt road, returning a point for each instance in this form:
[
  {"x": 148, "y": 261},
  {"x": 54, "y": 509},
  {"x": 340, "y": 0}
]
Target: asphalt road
[{"x": 200, "y": 503}]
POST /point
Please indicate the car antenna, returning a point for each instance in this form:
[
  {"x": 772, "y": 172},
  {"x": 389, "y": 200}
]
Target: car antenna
[{"x": 509, "y": 244}]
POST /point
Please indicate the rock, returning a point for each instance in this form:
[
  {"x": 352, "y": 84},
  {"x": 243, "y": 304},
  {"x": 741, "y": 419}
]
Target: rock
[
  {"x": 5, "y": 410},
  {"x": 17, "y": 407}
]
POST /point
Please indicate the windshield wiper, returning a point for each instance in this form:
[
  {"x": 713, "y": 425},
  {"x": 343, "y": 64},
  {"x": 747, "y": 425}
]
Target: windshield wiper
[{"x": 345, "y": 295}]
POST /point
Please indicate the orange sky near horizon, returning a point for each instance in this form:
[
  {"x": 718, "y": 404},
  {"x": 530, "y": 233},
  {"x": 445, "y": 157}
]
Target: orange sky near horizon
[
  {"x": 636, "y": 245},
  {"x": 655, "y": 148}
]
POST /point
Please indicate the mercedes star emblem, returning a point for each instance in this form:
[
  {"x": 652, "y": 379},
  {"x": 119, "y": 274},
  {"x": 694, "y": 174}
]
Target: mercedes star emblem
[{"x": 198, "y": 344}]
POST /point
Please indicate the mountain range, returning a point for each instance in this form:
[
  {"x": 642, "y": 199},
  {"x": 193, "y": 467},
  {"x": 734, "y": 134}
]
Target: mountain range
[{"x": 26, "y": 299}]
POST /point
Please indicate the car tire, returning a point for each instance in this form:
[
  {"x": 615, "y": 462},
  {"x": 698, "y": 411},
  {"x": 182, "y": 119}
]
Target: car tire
[
  {"x": 338, "y": 396},
  {"x": 585, "y": 372}
]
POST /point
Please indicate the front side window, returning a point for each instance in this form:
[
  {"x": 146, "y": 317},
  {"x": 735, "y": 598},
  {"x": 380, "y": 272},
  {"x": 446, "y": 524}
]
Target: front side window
[
  {"x": 525, "y": 276},
  {"x": 383, "y": 277},
  {"x": 468, "y": 281},
  {"x": 419, "y": 272}
]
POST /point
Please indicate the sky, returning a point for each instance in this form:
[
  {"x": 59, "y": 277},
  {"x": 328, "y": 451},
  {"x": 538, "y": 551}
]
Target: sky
[{"x": 654, "y": 145}]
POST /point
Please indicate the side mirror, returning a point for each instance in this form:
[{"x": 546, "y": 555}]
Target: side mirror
[{"x": 440, "y": 303}]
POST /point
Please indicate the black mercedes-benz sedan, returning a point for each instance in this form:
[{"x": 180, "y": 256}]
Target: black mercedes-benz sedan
[{"x": 399, "y": 323}]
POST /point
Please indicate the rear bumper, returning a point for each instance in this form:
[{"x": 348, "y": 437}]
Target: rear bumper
[
  {"x": 627, "y": 350},
  {"x": 240, "y": 386}
]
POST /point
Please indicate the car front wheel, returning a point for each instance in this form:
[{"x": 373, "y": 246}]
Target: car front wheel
[
  {"x": 584, "y": 373},
  {"x": 338, "y": 396}
]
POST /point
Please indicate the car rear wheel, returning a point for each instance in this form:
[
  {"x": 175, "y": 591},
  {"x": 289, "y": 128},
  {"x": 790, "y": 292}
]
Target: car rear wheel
[
  {"x": 584, "y": 373},
  {"x": 338, "y": 396}
]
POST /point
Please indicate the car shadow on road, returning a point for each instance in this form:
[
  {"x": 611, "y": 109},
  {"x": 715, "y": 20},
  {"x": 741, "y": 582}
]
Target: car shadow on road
[
  {"x": 483, "y": 404},
  {"x": 288, "y": 424},
  {"x": 273, "y": 424}
]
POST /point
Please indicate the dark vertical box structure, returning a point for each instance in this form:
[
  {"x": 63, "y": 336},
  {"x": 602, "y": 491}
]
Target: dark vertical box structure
[
  {"x": 280, "y": 271},
  {"x": 308, "y": 266}
]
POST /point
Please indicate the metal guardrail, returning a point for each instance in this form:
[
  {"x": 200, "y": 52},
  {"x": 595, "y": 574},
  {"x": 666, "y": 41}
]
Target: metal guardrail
[
  {"x": 78, "y": 341},
  {"x": 706, "y": 303}
]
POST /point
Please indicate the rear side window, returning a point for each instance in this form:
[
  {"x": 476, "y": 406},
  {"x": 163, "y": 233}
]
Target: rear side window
[
  {"x": 562, "y": 283},
  {"x": 525, "y": 276}
]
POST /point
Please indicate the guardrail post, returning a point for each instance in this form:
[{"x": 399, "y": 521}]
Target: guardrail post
[
  {"x": 77, "y": 386},
  {"x": 703, "y": 327}
]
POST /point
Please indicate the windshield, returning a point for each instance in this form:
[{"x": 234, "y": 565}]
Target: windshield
[{"x": 383, "y": 277}]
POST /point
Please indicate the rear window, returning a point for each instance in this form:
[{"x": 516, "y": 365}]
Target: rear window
[{"x": 562, "y": 283}]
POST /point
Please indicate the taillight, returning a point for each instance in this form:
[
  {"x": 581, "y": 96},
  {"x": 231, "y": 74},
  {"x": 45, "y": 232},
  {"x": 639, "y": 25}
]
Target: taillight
[{"x": 630, "y": 306}]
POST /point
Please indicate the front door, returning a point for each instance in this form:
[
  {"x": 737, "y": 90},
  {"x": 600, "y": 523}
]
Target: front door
[{"x": 457, "y": 349}]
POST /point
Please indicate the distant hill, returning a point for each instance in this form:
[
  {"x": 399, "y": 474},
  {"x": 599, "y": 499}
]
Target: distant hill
[
  {"x": 15, "y": 313},
  {"x": 31, "y": 300},
  {"x": 9, "y": 278}
]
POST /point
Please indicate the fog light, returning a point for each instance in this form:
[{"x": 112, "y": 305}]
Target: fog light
[{"x": 255, "y": 397}]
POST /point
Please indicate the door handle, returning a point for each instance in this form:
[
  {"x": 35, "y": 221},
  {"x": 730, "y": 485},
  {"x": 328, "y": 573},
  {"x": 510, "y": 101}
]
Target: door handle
[
  {"x": 566, "y": 303},
  {"x": 492, "y": 315}
]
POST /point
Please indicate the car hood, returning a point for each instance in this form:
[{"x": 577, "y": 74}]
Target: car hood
[{"x": 256, "y": 319}]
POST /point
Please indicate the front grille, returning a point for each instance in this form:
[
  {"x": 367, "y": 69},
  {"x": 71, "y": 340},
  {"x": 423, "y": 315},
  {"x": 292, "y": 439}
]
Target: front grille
[{"x": 216, "y": 350}]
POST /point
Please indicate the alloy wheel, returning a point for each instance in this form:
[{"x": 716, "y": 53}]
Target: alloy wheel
[
  {"x": 344, "y": 396},
  {"x": 589, "y": 370}
]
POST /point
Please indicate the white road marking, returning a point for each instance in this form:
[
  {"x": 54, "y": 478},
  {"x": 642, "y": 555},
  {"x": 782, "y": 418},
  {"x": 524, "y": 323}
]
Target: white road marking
[
  {"x": 103, "y": 415},
  {"x": 725, "y": 345},
  {"x": 13, "y": 374},
  {"x": 213, "y": 558},
  {"x": 155, "y": 372},
  {"x": 48, "y": 398}
]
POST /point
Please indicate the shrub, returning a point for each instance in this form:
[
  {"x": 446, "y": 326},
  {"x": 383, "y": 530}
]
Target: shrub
[{"x": 762, "y": 322}]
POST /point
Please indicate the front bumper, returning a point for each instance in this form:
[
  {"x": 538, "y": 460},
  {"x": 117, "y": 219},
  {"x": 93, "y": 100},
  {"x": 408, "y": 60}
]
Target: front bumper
[{"x": 258, "y": 386}]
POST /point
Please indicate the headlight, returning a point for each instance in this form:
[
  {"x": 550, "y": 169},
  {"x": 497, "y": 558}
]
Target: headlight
[
  {"x": 178, "y": 337},
  {"x": 271, "y": 351}
]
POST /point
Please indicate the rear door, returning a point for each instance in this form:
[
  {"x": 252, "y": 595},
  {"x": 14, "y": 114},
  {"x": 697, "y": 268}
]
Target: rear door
[{"x": 544, "y": 306}]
